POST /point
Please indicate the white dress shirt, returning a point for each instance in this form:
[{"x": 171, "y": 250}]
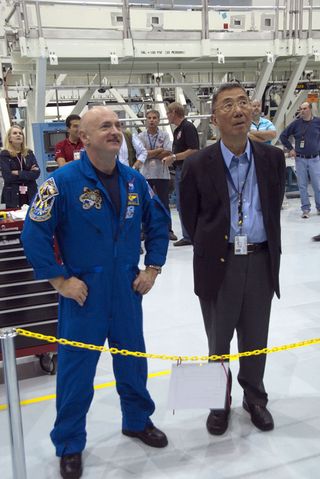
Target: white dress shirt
[{"x": 141, "y": 152}]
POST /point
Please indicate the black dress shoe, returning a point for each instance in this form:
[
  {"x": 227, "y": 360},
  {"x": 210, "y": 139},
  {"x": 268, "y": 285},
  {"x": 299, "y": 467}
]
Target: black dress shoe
[
  {"x": 316, "y": 238},
  {"x": 217, "y": 422},
  {"x": 151, "y": 436},
  {"x": 71, "y": 466},
  {"x": 260, "y": 416},
  {"x": 182, "y": 242},
  {"x": 172, "y": 236}
]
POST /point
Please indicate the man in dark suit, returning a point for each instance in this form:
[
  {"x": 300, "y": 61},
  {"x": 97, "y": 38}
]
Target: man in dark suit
[{"x": 231, "y": 196}]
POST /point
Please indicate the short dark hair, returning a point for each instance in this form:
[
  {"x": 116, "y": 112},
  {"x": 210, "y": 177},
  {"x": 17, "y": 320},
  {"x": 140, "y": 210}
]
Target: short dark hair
[
  {"x": 70, "y": 118},
  {"x": 224, "y": 87},
  {"x": 154, "y": 112}
]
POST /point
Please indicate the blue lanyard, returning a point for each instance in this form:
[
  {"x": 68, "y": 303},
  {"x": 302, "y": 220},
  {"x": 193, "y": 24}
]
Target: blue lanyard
[
  {"x": 239, "y": 193},
  {"x": 153, "y": 144},
  {"x": 306, "y": 128}
]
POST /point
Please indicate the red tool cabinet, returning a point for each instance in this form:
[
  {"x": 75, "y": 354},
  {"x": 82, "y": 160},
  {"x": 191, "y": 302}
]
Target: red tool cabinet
[{"x": 25, "y": 302}]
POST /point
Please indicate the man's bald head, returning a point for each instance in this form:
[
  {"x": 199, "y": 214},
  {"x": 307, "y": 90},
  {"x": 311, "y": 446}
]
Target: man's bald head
[
  {"x": 305, "y": 111},
  {"x": 256, "y": 103},
  {"x": 93, "y": 114},
  {"x": 256, "y": 110},
  {"x": 100, "y": 132}
]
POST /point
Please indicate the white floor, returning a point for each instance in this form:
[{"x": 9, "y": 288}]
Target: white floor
[{"x": 173, "y": 324}]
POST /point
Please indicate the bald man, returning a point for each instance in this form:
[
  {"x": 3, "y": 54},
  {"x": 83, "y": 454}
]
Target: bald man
[
  {"x": 306, "y": 133},
  {"x": 94, "y": 207},
  {"x": 262, "y": 129}
]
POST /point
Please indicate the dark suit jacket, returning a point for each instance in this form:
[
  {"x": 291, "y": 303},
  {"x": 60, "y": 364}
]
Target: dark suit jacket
[
  {"x": 27, "y": 177},
  {"x": 205, "y": 209}
]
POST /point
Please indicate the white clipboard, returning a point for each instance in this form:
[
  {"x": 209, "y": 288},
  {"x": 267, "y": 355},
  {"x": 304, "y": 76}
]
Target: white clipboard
[{"x": 198, "y": 386}]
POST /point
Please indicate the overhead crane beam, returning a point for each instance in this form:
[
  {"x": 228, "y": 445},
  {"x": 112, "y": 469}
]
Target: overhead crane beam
[
  {"x": 263, "y": 79},
  {"x": 179, "y": 95},
  {"x": 51, "y": 94},
  {"x": 84, "y": 98},
  {"x": 289, "y": 94},
  {"x": 162, "y": 109},
  {"x": 124, "y": 105},
  {"x": 189, "y": 90}
]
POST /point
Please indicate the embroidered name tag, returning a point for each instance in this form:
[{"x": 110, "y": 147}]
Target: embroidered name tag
[
  {"x": 90, "y": 199},
  {"x": 43, "y": 202},
  {"x": 133, "y": 199}
]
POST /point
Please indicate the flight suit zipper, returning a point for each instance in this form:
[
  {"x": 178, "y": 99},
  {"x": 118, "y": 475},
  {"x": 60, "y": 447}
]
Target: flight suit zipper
[{"x": 121, "y": 223}]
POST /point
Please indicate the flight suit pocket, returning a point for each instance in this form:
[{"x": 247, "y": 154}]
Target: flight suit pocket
[
  {"x": 92, "y": 307},
  {"x": 134, "y": 297}
]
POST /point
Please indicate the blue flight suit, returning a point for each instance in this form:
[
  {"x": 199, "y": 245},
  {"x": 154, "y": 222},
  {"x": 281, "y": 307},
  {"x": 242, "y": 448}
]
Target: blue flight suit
[{"x": 103, "y": 250}]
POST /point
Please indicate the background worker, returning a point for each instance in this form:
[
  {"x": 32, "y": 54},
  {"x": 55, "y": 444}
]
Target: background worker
[
  {"x": 69, "y": 149},
  {"x": 185, "y": 143},
  {"x": 261, "y": 128},
  {"x": 158, "y": 146},
  {"x": 132, "y": 152},
  {"x": 306, "y": 133},
  {"x": 19, "y": 168}
]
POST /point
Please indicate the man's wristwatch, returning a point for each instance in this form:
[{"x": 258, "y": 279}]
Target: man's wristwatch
[
  {"x": 153, "y": 266},
  {"x": 174, "y": 157}
]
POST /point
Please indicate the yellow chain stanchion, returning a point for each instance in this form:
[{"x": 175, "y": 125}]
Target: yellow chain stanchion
[{"x": 165, "y": 357}]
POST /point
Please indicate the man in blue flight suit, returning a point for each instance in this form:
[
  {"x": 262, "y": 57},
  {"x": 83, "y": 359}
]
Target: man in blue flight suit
[{"x": 95, "y": 208}]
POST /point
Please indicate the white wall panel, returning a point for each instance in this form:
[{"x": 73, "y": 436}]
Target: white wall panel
[{"x": 77, "y": 16}]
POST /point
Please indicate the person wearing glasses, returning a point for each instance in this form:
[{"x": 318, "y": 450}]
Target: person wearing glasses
[{"x": 231, "y": 196}]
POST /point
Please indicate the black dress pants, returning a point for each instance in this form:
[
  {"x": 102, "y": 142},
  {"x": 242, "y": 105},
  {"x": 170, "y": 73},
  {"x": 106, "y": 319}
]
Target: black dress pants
[
  {"x": 243, "y": 305},
  {"x": 161, "y": 188}
]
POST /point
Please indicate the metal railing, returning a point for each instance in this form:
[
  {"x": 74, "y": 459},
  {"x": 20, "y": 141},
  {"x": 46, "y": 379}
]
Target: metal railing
[{"x": 293, "y": 12}]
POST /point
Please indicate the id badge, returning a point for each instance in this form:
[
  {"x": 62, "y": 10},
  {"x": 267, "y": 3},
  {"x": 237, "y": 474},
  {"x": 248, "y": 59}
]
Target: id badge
[
  {"x": 76, "y": 155},
  {"x": 302, "y": 143},
  {"x": 240, "y": 244},
  {"x": 23, "y": 190}
]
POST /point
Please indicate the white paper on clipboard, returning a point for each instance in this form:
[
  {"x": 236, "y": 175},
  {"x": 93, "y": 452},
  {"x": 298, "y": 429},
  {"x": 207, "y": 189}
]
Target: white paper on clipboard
[{"x": 198, "y": 386}]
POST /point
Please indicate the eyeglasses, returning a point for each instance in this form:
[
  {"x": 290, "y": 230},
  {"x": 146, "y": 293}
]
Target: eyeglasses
[{"x": 229, "y": 105}]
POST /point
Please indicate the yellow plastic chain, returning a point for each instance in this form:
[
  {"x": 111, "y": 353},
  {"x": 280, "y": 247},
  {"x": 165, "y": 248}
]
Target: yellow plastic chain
[{"x": 165, "y": 357}]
